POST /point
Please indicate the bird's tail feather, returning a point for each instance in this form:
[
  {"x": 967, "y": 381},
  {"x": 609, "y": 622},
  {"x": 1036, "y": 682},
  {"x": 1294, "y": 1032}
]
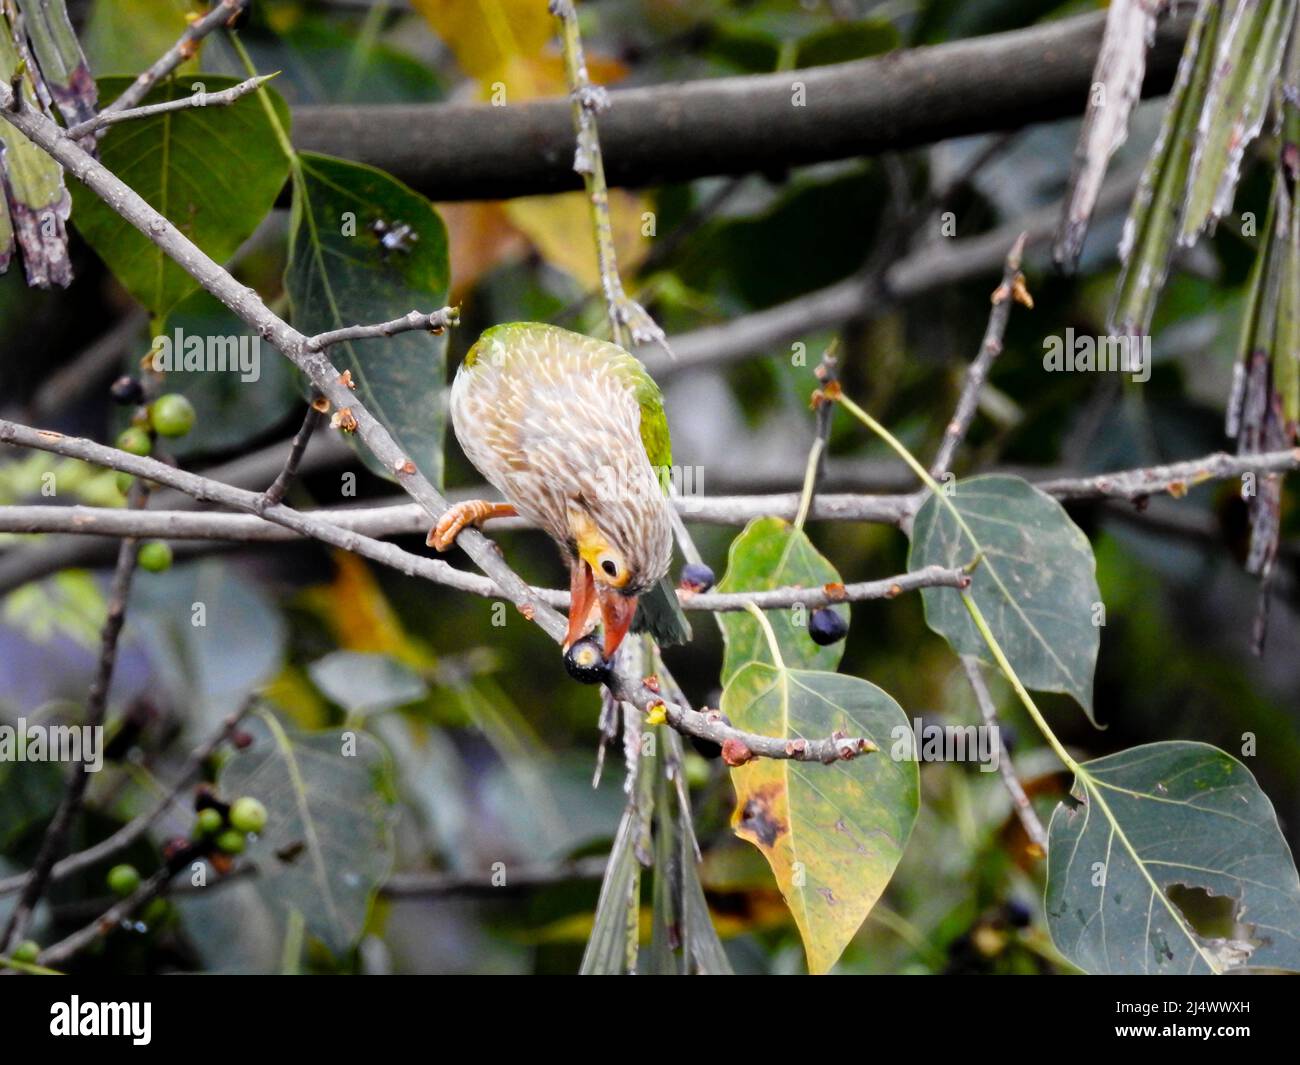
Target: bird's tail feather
[{"x": 661, "y": 615}]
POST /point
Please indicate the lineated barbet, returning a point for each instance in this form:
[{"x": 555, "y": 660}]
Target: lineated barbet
[{"x": 572, "y": 432}]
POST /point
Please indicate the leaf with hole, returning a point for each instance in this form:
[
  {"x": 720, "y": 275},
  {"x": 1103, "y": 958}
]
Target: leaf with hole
[
  {"x": 833, "y": 834},
  {"x": 1036, "y": 583},
  {"x": 365, "y": 248},
  {"x": 1151, "y": 829},
  {"x": 771, "y": 553}
]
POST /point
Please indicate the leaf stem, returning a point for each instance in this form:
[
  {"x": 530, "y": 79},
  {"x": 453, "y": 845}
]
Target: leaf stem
[
  {"x": 770, "y": 636},
  {"x": 901, "y": 450},
  {"x": 972, "y": 607}
]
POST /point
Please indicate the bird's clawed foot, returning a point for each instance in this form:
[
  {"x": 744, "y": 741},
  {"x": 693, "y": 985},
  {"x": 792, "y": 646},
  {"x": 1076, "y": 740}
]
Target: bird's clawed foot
[{"x": 471, "y": 512}]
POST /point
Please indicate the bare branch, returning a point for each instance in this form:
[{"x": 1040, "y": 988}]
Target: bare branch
[
  {"x": 56, "y": 833},
  {"x": 203, "y": 488},
  {"x": 435, "y": 323},
  {"x": 185, "y": 48},
  {"x": 224, "y": 98},
  {"x": 310, "y": 423},
  {"x": 1175, "y": 478},
  {"x": 927, "y": 269},
  {"x": 814, "y": 598},
  {"x": 133, "y": 830},
  {"x": 719, "y": 126},
  {"x": 586, "y": 100},
  {"x": 1011, "y": 290},
  {"x": 106, "y": 921},
  {"x": 1019, "y": 800},
  {"x": 738, "y": 746}
]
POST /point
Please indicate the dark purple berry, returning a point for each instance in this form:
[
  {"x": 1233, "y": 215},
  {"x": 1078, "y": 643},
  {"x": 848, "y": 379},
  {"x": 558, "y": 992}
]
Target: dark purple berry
[
  {"x": 126, "y": 390},
  {"x": 697, "y": 577},
  {"x": 1018, "y": 914},
  {"x": 586, "y": 662},
  {"x": 827, "y": 627}
]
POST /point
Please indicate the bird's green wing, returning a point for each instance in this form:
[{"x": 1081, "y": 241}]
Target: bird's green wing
[
  {"x": 654, "y": 423},
  {"x": 659, "y": 612}
]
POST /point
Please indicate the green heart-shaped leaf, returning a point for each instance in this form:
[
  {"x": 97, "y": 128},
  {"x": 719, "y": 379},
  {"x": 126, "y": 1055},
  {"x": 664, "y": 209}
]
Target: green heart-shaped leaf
[
  {"x": 772, "y": 553},
  {"x": 214, "y": 172},
  {"x": 1150, "y": 821},
  {"x": 1036, "y": 583},
  {"x": 341, "y": 273}
]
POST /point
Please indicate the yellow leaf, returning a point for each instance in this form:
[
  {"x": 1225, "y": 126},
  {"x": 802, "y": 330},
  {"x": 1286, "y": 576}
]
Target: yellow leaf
[
  {"x": 479, "y": 235},
  {"x": 487, "y": 35},
  {"x": 356, "y": 610},
  {"x": 833, "y": 835},
  {"x": 508, "y": 46},
  {"x": 560, "y": 229}
]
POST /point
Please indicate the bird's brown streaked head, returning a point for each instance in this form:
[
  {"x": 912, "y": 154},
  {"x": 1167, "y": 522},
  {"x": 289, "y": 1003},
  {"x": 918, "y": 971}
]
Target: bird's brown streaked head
[{"x": 622, "y": 545}]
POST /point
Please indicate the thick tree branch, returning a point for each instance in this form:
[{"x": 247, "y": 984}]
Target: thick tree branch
[{"x": 737, "y": 125}]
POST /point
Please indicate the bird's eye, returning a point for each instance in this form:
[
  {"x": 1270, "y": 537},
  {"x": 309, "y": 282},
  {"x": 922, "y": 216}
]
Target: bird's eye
[{"x": 610, "y": 567}]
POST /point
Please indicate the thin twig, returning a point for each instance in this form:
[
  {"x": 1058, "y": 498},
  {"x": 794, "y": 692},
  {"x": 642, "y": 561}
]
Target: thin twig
[
  {"x": 1176, "y": 478},
  {"x": 1011, "y": 290},
  {"x": 107, "y": 921},
  {"x": 827, "y": 374},
  {"x": 434, "y": 322},
  {"x": 1019, "y": 800},
  {"x": 185, "y": 48},
  {"x": 223, "y": 98},
  {"x": 586, "y": 101},
  {"x": 814, "y": 598},
  {"x": 310, "y": 423},
  {"x": 134, "y": 829},
  {"x": 56, "y": 833}
]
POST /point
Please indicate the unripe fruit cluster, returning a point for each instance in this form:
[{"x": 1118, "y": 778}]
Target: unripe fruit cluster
[
  {"x": 168, "y": 415},
  {"x": 228, "y": 827}
]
